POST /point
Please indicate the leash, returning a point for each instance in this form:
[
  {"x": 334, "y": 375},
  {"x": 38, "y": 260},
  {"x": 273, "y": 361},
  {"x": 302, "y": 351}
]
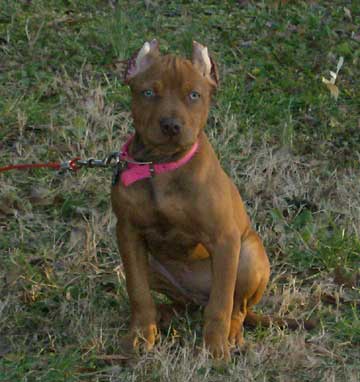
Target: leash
[
  {"x": 116, "y": 160},
  {"x": 71, "y": 165},
  {"x": 126, "y": 167},
  {"x": 54, "y": 165}
]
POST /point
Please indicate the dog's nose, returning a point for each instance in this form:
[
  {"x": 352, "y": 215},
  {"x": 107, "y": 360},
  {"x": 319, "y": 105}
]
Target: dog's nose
[{"x": 170, "y": 126}]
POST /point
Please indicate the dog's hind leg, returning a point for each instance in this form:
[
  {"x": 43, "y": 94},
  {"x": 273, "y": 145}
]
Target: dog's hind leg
[
  {"x": 252, "y": 278},
  {"x": 190, "y": 284}
]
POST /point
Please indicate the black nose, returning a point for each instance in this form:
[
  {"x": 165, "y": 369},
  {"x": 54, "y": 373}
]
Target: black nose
[{"x": 170, "y": 126}]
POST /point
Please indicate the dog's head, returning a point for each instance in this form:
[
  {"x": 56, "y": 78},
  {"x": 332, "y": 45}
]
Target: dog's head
[{"x": 170, "y": 96}]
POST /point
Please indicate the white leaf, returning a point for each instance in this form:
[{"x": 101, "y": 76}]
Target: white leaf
[
  {"x": 339, "y": 65},
  {"x": 333, "y": 75},
  {"x": 347, "y": 13}
]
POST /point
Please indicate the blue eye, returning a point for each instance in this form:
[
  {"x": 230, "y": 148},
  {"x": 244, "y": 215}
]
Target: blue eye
[
  {"x": 148, "y": 93},
  {"x": 194, "y": 95}
]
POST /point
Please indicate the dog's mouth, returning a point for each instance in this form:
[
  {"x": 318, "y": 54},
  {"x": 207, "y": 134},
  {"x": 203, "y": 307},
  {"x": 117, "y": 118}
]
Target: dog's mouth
[{"x": 171, "y": 148}]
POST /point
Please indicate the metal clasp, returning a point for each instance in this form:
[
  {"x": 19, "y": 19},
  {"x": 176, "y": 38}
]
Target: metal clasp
[
  {"x": 69, "y": 165},
  {"x": 110, "y": 160}
]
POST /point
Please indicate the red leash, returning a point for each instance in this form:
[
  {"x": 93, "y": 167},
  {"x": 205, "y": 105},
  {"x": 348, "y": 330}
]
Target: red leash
[
  {"x": 69, "y": 165},
  {"x": 111, "y": 160},
  {"x": 74, "y": 164}
]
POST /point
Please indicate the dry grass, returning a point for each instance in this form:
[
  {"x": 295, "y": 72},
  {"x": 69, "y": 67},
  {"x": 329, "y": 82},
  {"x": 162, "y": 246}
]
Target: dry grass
[{"x": 63, "y": 304}]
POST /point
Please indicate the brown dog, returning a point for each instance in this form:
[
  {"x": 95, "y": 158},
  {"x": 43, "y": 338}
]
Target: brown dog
[{"x": 184, "y": 232}]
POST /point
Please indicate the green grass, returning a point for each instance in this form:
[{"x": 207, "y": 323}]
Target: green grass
[{"x": 291, "y": 148}]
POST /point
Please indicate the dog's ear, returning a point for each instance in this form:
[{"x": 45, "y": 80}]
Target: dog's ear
[
  {"x": 141, "y": 60},
  {"x": 204, "y": 63}
]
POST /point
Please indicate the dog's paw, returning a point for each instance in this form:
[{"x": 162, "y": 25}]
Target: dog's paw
[
  {"x": 236, "y": 337},
  {"x": 218, "y": 348},
  {"x": 145, "y": 336},
  {"x": 217, "y": 343},
  {"x": 140, "y": 338}
]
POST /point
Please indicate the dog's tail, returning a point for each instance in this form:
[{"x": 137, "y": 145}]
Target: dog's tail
[{"x": 253, "y": 319}]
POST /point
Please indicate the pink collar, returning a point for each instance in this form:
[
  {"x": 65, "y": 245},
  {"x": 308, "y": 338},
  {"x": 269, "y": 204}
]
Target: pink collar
[{"x": 137, "y": 171}]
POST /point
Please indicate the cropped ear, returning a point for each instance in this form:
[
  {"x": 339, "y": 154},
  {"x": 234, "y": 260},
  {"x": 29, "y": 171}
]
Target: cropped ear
[
  {"x": 204, "y": 63},
  {"x": 142, "y": 60}
]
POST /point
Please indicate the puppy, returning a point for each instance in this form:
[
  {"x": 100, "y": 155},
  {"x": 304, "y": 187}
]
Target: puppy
[{"x": 182, "y": 228}]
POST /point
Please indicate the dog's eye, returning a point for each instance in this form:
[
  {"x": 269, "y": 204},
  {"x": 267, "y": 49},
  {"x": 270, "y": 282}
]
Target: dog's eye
[
  {"x": 148, "y": 93},
  {"x": 194, "y": 95}
]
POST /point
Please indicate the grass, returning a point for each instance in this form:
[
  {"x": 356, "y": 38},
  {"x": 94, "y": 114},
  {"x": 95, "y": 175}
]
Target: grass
[{"x": 292, "y": 149}]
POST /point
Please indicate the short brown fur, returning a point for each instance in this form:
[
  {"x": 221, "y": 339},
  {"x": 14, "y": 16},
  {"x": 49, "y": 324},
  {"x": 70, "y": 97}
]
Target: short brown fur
[{"x": 185, "y": 233}]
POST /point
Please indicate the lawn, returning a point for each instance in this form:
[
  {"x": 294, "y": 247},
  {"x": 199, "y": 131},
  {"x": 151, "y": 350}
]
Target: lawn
[{"x": 291, "y": 146}]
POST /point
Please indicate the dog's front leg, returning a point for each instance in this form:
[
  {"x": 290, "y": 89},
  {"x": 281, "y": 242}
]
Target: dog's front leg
[
  {"x": 143, "y": 312},
  {"x": 224, "y": 251}
]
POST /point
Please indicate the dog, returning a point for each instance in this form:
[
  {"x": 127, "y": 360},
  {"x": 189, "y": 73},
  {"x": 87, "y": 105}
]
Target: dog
[{"x": 182, "y": 228}]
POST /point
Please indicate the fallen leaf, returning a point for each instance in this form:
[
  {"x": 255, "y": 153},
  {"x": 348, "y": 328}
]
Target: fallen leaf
[
  {"x": 348, "y": 13},
  {"x": 339, "y": 65},
  {"x": 334, "y": 90}
]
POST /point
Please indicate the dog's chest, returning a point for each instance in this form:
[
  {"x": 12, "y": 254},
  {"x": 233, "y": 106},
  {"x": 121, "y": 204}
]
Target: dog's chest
[{"x": 162, "y": 214}]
